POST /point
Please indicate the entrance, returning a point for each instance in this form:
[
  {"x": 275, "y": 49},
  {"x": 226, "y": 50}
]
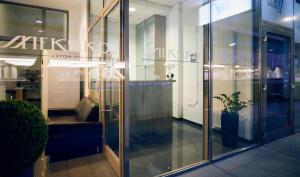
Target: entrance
[{"x": 277, "y": 86}]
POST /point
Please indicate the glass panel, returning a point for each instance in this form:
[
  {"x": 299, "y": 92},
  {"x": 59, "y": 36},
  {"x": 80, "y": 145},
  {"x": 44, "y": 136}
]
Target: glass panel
[
  {"x": 296, "y": 85},
  {"x": 94, "y": 56},
  {"x": 113, "y": 77},
  {"x": 32, "y": 37},
  {"x": 278, "y": 12},
  {"x": 278, "y": 26},
  {"x": 20, "y": 73},
  {"x": 234, "y": 75},
  {"x": 56, "y": 26},
  {"x": 20, "y": 78},
  {"x": 13, "y": 15},
  {"x": 167, "y": 50},
  {"x": 95, "y": 8},
  {"x": 278, "y": 83}
]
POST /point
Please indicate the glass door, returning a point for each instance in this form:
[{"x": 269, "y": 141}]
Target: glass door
[
  {"x": 112, "y": 74},
  {"x": 277, "y": 86}
]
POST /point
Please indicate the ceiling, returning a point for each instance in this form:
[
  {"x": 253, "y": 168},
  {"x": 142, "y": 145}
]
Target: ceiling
[{"x": 147, "y": 8}]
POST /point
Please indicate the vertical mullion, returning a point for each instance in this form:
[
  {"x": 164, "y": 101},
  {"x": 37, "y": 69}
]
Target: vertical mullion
[
  {"x": 210, "y": 86},
  {"x": 124, "y": 160}
]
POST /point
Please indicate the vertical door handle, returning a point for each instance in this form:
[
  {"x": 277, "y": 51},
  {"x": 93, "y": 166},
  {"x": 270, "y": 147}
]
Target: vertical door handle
[
  {"x": 265, "y": 88},
  {"x": 293, "y": 86},
  {"x": 265, "y": 39}
]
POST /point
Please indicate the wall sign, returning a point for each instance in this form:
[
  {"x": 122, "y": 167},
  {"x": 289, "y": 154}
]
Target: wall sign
[{"x": 21, "y": 41}]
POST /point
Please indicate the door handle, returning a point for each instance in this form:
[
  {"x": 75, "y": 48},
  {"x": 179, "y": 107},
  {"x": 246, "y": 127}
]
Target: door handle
[
  {"x": 265, "y": 88},
  {"x": 265, "y": 39},
  {"x": 293, "y": 86}
]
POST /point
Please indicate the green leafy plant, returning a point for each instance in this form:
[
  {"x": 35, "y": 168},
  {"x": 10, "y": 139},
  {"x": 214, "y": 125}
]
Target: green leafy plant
[
  {"x": 232, "y": 103},
  {"x": 23, "y": 136}
]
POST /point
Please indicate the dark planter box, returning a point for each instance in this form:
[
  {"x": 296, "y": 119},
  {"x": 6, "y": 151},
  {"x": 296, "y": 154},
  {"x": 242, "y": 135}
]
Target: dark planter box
[
  {"x": 230, "y": 127},
  {"x": 29, "y": 172}
]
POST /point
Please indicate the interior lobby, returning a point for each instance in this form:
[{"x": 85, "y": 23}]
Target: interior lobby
[{"x": 143, "y": 88}]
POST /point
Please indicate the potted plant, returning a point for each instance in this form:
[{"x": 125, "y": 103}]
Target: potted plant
[
  {"x": 23, "y": 136},
  {"x": 230, "y": 117}
]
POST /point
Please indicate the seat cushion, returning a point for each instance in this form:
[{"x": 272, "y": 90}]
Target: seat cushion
[{"x": 62, "y": 119}]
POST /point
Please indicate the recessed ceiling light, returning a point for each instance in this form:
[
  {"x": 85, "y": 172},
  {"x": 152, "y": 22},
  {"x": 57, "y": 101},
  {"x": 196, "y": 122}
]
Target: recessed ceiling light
[
  {"x": 39, "y": 21},
  {"x": 132, "y": 9}
]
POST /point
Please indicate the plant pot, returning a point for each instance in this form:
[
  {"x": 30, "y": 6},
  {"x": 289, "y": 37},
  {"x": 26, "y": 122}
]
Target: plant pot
[
  {"x": 29, "y": 172},
  {"x": 230, "y": 127}
]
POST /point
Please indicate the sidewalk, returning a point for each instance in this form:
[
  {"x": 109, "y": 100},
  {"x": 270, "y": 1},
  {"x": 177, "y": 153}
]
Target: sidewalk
[{"x": 280, "y": 158}]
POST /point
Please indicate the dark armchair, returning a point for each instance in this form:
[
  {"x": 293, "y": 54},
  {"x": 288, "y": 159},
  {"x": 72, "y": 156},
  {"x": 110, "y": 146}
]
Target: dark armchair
[{"x": 74, "y": 133}]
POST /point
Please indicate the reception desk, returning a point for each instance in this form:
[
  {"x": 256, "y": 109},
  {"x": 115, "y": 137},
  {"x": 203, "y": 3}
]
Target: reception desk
[{"x": 150, "y": 109}]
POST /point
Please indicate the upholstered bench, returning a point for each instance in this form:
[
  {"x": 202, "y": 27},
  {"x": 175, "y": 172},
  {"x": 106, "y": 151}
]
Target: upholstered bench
[{"x": 74, "y": 133}]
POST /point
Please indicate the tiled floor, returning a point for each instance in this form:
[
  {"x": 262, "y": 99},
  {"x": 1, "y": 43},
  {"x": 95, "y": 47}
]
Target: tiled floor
[
  {"x": 280, "y": 158},
  {"x": 91, "y": 166},
  {"x": 158, "y": 154}
]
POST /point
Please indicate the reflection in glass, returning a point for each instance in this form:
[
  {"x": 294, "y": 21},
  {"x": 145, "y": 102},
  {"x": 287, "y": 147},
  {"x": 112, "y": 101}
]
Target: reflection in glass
[
  {"x": 296, "y": 84},
  {"x": 167, "y": 49},
  {"x": 13, "y": 15},
  {"x": 278, "y": 27},
  {"x": 94, "y": 55},
  {"x": 37, "y": 22},
  {"x": 278, "y": 83},
  {"x": 20, "y": 73},
  {"x": 95, "y": 7},
  {"x": 20, "y": 78},
  {"x": 112, "y": 77},
  {"x": 234, "y": 72},
  {"x": 56, "y": 24}
]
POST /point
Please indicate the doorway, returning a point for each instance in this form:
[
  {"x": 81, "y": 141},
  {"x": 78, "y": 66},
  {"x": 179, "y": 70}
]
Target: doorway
[{"x": 276, "y": 82}]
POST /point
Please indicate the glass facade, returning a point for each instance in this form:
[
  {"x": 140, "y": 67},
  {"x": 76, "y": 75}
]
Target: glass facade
[
  {"x": 166, "y": 54},
  {"x": 296, "y": 64},
  {"x": 112, "y": 80},
  {"x": 234, "y": 71},
  {"x": 152, "y": 87}
]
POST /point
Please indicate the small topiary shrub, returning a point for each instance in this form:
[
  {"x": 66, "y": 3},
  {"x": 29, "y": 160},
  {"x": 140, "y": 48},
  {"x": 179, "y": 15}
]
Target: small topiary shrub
[{"x": 23, "y": 136}]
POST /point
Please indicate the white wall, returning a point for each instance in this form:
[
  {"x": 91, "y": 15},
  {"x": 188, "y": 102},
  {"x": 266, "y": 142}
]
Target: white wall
[
  {"x": 63, "y": 83},
  {"x": 173, "y": 44},
  {"x": 192, "y": 72},
  {"x": 188, "y": 89},
  {"x": 132, "y": 52},
  {"x": 2, "y": 92},
  {"x": 187, "y": 103}
]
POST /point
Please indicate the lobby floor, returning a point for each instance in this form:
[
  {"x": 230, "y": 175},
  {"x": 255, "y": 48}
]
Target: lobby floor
[
  {"x": 158, "y": 154},
  {"x": 280, "y": 158},
  {"x": 90, "y": 166}
]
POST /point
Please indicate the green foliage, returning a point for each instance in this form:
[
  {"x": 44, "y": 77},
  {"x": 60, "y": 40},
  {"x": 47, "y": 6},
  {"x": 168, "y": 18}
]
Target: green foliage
[
  {"x": 23, "y": 136},
  {"x": 232, "y": 103}
]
